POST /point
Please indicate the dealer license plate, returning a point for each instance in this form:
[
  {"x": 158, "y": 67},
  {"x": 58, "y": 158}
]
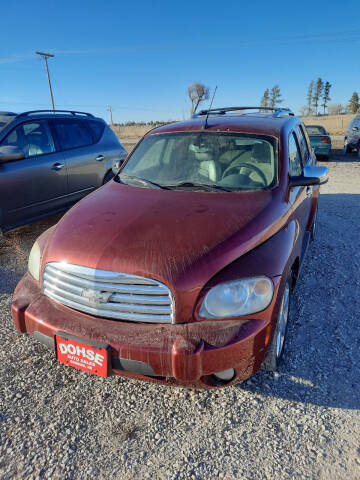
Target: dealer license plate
[{"x": 92, "y": 357}]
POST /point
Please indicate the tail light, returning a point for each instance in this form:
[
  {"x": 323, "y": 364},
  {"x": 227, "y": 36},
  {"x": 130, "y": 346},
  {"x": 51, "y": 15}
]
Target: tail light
[{"x": 325, "y": 140}]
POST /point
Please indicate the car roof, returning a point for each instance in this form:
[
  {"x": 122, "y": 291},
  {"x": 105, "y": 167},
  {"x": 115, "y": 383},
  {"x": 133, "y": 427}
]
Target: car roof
[
  {"x": 261, "y": 123},
  {"x": 46, "y": 114}
]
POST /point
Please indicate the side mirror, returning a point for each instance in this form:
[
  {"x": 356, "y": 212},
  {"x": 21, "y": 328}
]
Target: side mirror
[
  {"x": 117, "y": 165},
  {"x": 9, "y": 153},
  {"x": 313, "y": 175}
]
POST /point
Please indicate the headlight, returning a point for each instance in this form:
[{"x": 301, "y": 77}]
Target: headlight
[
  {"x": 239, "y": 297},
  {"x": 34, "y": 261}
]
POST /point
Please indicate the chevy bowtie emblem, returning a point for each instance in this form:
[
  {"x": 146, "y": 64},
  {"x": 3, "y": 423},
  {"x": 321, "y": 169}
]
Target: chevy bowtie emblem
[{"x": 95, "y": 295}]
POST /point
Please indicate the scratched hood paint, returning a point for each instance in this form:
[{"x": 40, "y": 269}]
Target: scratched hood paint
[{"x": 181, "y": 238}]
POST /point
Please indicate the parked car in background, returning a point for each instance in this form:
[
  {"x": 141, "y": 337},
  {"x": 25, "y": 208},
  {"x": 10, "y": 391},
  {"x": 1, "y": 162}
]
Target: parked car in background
[
  {"x": 5, "y": 117},
  {"x": 320, "y": 140},
  {"x": 181, "y": 269},
  {"x": 352, "y": 136},
  {"x": 50, "y": 160}
]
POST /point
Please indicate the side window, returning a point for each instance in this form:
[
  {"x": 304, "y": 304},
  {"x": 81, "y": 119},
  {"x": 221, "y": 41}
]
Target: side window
[
  {"x": 72, "y": 134},
  {"x": 33, "y": 138},
  {"x": 303, "y": 144},
  {"x": 96, "y": 128},
  {"x": 294, "y": 156}
]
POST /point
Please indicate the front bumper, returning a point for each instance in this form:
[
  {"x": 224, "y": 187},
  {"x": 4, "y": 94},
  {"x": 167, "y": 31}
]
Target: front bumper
[
  {"x": 185, "y": 354},
  {"x": 322, "y": 149}
]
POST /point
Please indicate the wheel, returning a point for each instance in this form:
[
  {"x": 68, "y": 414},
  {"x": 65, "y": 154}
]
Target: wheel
[
  {"x": 276, "y": 349},
  {"x": 108, "y": 177},
  {"x": 347, "y": 148},
  {"x": 358, "y": 151}
]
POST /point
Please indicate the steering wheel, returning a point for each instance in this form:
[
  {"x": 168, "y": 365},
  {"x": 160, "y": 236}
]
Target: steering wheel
[{"x": 250, "y": 166}]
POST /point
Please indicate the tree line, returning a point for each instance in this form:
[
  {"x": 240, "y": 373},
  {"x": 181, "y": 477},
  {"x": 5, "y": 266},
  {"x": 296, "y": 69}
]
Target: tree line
[
  {"x": 271, "y": 97},
  {"x": 319, "y": 91},
  {"x": 318, "y": 95}
]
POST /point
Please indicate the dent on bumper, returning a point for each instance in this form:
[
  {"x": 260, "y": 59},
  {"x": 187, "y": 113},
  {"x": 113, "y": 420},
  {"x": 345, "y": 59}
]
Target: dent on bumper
[{"x": 185, "y": 354}]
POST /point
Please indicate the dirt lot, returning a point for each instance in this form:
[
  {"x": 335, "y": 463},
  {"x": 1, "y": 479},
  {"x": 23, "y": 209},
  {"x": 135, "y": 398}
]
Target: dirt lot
[
  {"x": 334, "y": 124},
  {"x": 300, "y": 423}
]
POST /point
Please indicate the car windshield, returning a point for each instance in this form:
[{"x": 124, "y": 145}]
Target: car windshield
[
  {"x": 316, "y": 130},
  {"x": 191, "y": 160}
]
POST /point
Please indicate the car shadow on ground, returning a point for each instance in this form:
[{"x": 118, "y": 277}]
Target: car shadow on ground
[
  {"x": 338, "y": 155},
  {"x": 322, "y": 352}
]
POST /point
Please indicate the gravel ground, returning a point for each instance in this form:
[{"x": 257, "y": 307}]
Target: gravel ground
[{"x": 300, "y": 423}]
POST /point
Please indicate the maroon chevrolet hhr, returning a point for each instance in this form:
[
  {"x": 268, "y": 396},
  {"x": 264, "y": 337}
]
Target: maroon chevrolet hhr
[{"x": 181, "y": 269}]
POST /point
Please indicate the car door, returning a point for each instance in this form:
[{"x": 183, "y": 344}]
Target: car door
[
  {"x": 83, "y": 159},
  {"x": 36, "y": 185},
  {"x": 300, "y": 197}
]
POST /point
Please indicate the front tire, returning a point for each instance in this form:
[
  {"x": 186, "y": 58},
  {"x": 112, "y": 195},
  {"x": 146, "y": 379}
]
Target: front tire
[
  {"x": 276, "y": 349},
  {"x": 108, "y": 177}
]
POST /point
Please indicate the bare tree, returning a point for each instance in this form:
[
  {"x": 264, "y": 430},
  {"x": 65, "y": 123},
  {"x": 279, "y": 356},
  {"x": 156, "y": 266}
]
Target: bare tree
[
  {"x": 309, "y": 97},
  {"x": 198, "y": 92},
  {"x": 335, "y": 109},
  {"x": 326, "y": 95},
  {"x": 265, "y": 100},
  {"x": 303, "y": 110},
  {"x": 319, "y": 86},
  {"x": 275, "y": 96}
]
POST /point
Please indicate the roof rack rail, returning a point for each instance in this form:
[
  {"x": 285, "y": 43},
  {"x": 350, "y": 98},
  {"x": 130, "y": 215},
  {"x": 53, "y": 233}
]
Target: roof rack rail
[
  {"x": 72, "y": 112},
  {"x": 278, "y": 111}
]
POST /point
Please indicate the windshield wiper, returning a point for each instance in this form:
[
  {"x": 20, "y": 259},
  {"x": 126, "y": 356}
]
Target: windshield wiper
[
  {"x": 205, "y": 186},
  {"x": 143, "y": 181}
]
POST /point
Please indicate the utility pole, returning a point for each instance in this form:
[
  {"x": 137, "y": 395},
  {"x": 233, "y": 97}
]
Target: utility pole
[
  {"x": 111, "y": 117},
  {"x": 45, "y": 57}
]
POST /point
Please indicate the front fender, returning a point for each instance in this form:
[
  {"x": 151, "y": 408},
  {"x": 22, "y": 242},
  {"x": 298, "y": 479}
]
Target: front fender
[{"x": 274, "y": 258}]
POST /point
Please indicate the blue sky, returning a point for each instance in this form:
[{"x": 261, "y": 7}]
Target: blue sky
[{"x": 140, "y": 56}]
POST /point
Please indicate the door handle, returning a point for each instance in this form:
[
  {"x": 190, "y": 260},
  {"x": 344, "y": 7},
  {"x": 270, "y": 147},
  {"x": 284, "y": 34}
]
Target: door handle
[
  {"x": 57, "y": 166},
  {"x": 308, "y": 191},
  {"x": 99, "y": 158}
]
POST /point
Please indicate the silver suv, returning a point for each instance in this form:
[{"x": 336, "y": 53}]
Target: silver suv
[
  {"x": 50, "y": 160},
  {"x": 352, "y": 136}
]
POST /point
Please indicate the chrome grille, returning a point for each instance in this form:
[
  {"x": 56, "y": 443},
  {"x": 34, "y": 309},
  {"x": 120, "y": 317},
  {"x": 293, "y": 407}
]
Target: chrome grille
[{"x": 108, "y": 294}]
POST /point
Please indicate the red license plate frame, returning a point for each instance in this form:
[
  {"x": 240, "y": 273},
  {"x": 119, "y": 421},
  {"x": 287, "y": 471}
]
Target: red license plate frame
[{"x": 82, "y": 354}]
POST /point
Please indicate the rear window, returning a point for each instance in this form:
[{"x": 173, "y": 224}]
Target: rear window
[
  {"x": 72, "y": 134},
  {"x": 316, "y": 130},
  {"x": 96, "y": 128}
]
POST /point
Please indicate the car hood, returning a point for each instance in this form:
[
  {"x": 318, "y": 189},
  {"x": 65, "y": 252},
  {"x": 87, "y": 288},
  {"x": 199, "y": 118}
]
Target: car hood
[{"x": 181, "y": 238}]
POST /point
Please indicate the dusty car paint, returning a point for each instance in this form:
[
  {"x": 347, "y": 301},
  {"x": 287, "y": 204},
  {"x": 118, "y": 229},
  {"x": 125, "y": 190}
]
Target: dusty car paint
[{"x": 190, "y": 241}]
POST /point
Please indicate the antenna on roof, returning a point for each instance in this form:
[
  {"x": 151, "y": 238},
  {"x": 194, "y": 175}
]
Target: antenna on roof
[{"x": 206, "y": 118}]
